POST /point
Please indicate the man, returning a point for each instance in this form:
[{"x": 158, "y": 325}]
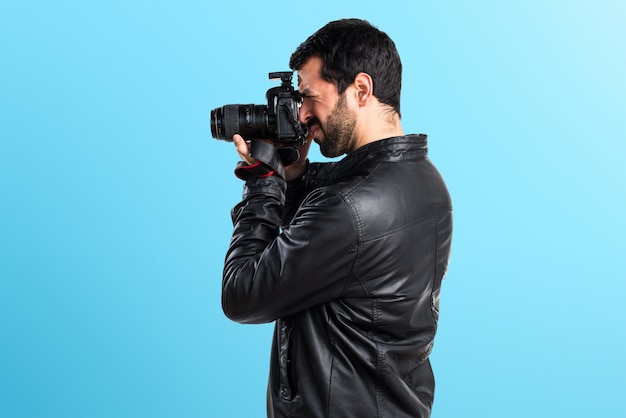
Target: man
[{"x": 346, "y": 257}]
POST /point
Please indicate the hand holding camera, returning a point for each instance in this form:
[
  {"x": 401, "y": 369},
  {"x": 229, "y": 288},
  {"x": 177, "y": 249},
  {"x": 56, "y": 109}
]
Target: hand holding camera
[
  {"x": 292, "y": 170},
  {"x": 276, "y": 123}
]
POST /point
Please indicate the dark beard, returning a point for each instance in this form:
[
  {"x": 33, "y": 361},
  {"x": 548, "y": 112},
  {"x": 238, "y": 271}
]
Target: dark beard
[{"x": 338, "y": 131}]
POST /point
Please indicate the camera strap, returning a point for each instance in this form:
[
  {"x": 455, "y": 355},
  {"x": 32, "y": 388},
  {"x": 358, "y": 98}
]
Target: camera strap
[{"x": 269, "y": 162}]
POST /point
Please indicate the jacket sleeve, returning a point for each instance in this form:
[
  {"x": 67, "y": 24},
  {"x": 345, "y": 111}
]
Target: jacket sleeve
[
  {"x": 315, "y": 175},
  {"x": 270, "y": 274}
]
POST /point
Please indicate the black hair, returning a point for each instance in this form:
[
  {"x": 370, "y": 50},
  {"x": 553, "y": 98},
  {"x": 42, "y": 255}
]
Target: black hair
[{"x": 350, "y": 46}]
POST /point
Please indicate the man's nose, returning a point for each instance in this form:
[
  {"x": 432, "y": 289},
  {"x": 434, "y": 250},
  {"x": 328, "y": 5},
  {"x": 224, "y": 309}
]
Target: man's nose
[{"x": 304, "y": 114}]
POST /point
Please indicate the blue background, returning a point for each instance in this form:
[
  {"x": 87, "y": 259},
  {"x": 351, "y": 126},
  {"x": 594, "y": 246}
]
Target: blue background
[{"x": 115, "y": 200}]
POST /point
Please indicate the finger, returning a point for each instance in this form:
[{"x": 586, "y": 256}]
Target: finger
[{"x": 243, "y": 149}]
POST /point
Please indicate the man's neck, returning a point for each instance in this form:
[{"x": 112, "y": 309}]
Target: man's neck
[{"x": 376, "y": 126}]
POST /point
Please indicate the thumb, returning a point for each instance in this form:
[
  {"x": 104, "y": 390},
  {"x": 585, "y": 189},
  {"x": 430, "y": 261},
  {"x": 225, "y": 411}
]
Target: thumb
[{"x": 243, "y": 149}]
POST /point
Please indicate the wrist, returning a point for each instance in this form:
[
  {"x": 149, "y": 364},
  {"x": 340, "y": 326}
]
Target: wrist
[{"x": 258, "y": 169}]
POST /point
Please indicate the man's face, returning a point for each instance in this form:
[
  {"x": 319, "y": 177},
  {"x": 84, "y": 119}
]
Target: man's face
[{"x": 330, "y": 120}]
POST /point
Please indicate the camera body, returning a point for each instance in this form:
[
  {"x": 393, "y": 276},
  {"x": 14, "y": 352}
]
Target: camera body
[{"x": 278, "y": 120}]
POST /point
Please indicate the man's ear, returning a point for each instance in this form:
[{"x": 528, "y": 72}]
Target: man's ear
[{"x": 364, "y": 86}]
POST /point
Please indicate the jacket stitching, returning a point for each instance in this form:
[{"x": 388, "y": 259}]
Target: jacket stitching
[{"x": 408, "y": 224}]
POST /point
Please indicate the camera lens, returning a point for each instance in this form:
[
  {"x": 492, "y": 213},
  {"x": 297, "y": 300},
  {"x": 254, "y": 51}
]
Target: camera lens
[
  {"x": 250, "y": 121},
  {"x": 216, "y": 124}
]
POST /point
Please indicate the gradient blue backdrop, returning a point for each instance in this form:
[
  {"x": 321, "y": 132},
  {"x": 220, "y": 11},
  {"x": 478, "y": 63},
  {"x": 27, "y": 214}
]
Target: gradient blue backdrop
[{"x": 114, "y": 200}]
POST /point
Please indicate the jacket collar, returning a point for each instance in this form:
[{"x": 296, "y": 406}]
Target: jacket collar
[{"x": 397, "y": 148}]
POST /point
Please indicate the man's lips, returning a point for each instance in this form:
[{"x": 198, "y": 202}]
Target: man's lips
[{"x": 313, "y": 130}]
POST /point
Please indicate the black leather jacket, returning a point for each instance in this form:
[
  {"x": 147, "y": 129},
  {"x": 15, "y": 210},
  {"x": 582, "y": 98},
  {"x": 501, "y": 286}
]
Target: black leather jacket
[{"x": 352, "y": 278}]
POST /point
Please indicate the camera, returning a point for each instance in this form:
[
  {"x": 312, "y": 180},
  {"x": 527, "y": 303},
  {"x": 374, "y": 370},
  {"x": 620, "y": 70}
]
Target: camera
[{"x": 278, "y": 120}]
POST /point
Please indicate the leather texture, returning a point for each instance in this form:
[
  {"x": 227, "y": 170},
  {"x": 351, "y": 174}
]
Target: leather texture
[{"x": 348, "y": 260}]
